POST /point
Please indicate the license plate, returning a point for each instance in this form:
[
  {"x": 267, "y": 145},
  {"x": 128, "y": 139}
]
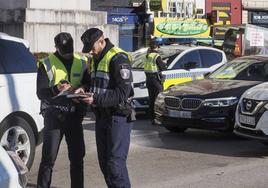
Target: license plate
[
  {"x": 179, "y": 114},
  {"x": 247, "y": 119}
]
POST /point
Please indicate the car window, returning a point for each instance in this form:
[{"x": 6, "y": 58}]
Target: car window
[
  {"x": 210, "y": 57},
  {"x": 190, "y": 60},
  {"x": 255, "y": 72},
  {"x": 139, "y": 57},
  {"x": 16, "y": 58},
  {"x": 242, "y": 69},
  {"x": 231, "y": 69},
  {"x": 170, "y": 59}
]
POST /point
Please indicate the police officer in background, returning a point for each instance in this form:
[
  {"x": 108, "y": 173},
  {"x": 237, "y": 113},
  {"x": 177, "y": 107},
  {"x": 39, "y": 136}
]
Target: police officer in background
[
  {"x": 111, "y": 88},
  {"x": 61, "y": 71},
  {"x": 153, "y": 66}
]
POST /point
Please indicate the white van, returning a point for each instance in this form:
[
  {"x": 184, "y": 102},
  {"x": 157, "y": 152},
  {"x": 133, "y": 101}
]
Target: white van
[{"x": 20, "y": 122}]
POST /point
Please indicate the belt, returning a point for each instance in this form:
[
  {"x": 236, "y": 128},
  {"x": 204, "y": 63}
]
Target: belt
[{"x": 64, "y": 108}]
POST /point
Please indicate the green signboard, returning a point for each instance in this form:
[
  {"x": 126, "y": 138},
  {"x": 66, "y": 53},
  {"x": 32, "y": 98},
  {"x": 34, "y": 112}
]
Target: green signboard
[{"x": 182, "y": 27}]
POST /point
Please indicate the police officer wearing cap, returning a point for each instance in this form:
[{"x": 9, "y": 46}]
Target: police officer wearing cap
[
  {"x": 61, "y": 71},
  {"x": 153, "y": 66},
  {"x": 111, "y": 88}
]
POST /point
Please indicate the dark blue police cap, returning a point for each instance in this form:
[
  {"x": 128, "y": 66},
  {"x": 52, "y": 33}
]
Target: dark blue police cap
[{"x": 89, "y": 37}]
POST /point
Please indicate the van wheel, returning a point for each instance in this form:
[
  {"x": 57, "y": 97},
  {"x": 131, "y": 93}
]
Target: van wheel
[
  {"x": 176, "y": 129},
  {"x": 17, "y": 135}
]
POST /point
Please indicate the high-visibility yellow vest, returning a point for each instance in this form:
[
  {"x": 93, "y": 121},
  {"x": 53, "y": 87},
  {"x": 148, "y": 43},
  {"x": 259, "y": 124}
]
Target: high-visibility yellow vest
[
  {"x": 56, "y": 70},
  {"x": 100, "y": 78},
  {"x": 150, "y": 65}
]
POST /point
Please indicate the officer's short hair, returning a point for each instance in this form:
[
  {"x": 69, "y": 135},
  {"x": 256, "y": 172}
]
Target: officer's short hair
[
  {"x": 153, "y": 44},
  {"x": 64, "y": 42},
  {"x": 89, "y": 37}
]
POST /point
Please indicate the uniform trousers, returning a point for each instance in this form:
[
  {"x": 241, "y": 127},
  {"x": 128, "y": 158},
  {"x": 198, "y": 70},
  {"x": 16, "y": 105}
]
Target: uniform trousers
[
  {"x": 54, "y": 129},
  {"x": 113, "y": 140},
  {"x": 154, "y": 87}
]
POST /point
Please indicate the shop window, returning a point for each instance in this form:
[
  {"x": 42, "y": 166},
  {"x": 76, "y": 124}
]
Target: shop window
[{"x": 172, "y": 9}]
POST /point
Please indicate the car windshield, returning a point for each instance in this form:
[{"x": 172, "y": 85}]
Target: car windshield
[
  {"x": 168, "y": 55},
  {"x": 231, "y": 69}
]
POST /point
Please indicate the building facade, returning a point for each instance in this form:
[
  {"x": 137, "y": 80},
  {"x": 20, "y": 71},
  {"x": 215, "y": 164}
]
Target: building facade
[
  {"x": 177, "y": 21},
  {"x": 223, "y": 13},
  {"x": 39, "y": 21},
  {"x": 255, "y": 12},
  {"x": 230, "y": 11},
  {"x": 129, "y": 16},
  {"x": 176, "y": 8}
]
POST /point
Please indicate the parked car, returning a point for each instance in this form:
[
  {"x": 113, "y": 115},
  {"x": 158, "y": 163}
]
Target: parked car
[
  {"x": 252, "y": 114},
  {"x": 13, "y": 172},
  {"x": 204, "y": 59},
  {"x": 210, "y": 103},
  {"x": 20, "y": 123}
]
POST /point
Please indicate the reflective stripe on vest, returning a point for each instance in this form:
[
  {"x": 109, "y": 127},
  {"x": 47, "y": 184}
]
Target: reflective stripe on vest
[
  {"x": 56, "y": 70},
  {"x": 100, "y": 78},
  {"x": 150, "y": 65},
  {"x": 48, "y": 69}
]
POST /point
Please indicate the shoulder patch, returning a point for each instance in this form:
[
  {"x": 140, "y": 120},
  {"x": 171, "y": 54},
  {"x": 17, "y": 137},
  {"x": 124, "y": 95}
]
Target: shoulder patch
[{"x": 125, "y": 73}]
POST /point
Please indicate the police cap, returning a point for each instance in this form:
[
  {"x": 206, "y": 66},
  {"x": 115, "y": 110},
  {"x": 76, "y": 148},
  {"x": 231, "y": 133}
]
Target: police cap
[
  {"x": 64, "y": 42},
  {"x": 89, "y": 37}
]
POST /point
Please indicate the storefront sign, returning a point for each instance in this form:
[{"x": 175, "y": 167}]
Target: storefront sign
[
  {"x": 184, "y": 28},
  {"x": 221, "y": 6},
  {"x": 122, "y": 19},
  {"x": 224, "y": 10},
  {"x": 259, "y": 18}
]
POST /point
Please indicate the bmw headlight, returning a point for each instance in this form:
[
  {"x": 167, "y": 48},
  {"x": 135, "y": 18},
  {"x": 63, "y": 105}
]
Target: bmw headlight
[
  {"x": 221, "y": 102},
  {"x": 141, "y": 85}
]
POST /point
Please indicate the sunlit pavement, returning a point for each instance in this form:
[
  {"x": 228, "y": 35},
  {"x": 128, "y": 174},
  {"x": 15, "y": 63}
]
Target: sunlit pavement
[{"x": 158, "y": 158}]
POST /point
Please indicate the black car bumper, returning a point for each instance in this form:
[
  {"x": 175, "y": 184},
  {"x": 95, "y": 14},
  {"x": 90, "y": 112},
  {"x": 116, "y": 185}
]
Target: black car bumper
[
  {"x": 214, "y": 123},
  {"x": 203, "y": 118}
]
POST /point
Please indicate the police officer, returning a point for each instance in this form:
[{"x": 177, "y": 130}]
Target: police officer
[
  {"x": 61, "y": 71},
  {"x": 110, "y": 86},
  {"x": 153, "y": 66}
]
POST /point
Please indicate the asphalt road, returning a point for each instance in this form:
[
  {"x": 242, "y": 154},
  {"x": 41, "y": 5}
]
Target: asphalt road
[{"x": 160, "y": 159}]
